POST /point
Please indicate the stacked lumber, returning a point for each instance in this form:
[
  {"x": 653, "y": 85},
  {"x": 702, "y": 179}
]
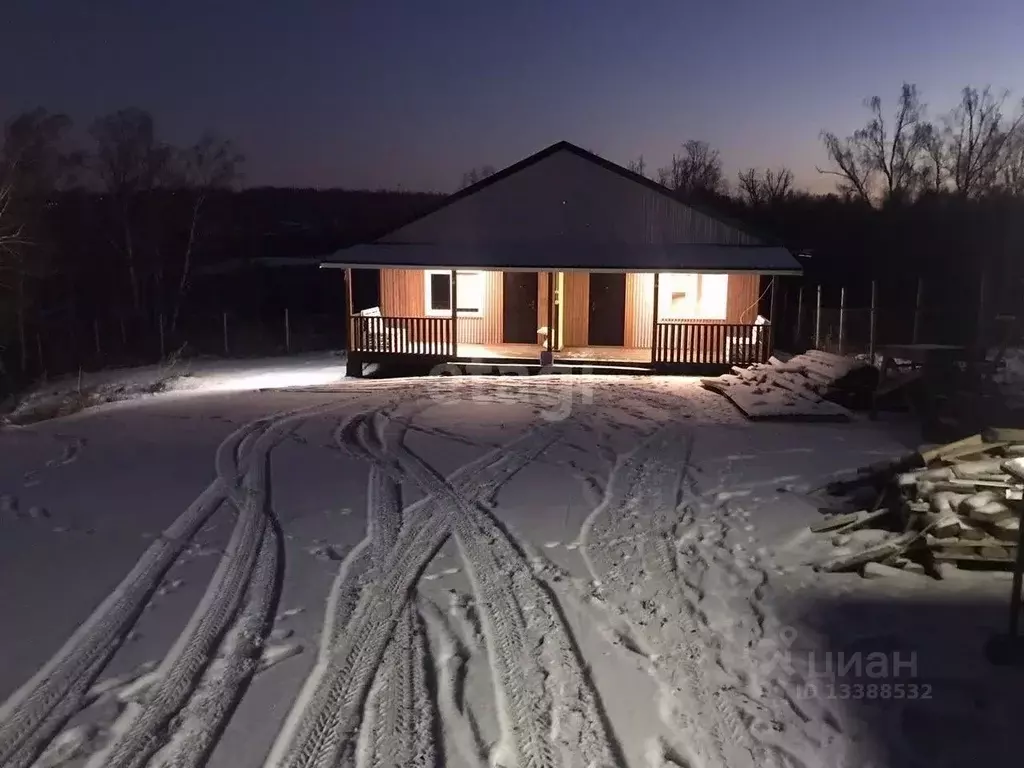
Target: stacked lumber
[
  {"x": 957, "y": 504},
  {"x": 803, "y": 388}
]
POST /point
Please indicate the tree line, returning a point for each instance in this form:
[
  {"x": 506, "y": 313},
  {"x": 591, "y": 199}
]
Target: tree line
[{"x": 124, "y": 222}]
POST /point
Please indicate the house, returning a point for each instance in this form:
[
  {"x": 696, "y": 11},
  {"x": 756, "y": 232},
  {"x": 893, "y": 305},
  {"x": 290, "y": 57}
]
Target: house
[{"x": 566, "y": 254}]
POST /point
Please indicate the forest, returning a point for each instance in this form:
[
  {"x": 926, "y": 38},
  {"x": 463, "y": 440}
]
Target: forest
[{"x": 124, "y": 248}]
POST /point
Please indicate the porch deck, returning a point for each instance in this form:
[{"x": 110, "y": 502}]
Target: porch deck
[{"x": 532, "y": 352}]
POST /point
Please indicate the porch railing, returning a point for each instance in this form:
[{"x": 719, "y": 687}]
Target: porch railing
[
  {"x": 700, "y": 343},
  {"x": 402, "y": 335}
]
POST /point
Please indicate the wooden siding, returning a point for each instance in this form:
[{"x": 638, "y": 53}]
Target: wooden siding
[
  {"x": 741, "y": 304},
  {"x": 639, "y": 309},
  {"x": 565, "y": 198},
  {"x": 403, "y": 294},
  {"x": 576, "y": 308}
]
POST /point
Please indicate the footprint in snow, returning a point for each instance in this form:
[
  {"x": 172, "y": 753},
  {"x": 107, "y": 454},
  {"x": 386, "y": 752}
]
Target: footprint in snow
[
  {"x": 289, "y": 613},
  {"x": 326, "y": 552},
  {"x": 170, "y": 586},
  {"x": 9, "y": 503},
  {"x": 275, "y": 654}
]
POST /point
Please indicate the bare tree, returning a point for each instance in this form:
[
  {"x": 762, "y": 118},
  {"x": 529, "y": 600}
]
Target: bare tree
[
  {"x": 698, "y": 170},
  {"x": 765, "y": 188},
  {"x": 209, "y": 164},
  {"x": 879, "y": 149},
  {"x": 476, "y": 175},
  {"x": 934, "y": 165},
  {"x": 854, "y": 173},
  {"x": 638, "y": 166},
  {"x": 976, "y": 138},
  {"x": 34, "y": 162},
  {"x": 1012, "y": 164},
  {"x": 129, "y": 161}
]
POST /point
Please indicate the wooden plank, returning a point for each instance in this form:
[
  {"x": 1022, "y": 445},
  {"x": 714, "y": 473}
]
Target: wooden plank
[
  {"x": 894, "y": 546},
  {"x": 973, "y": 442}
]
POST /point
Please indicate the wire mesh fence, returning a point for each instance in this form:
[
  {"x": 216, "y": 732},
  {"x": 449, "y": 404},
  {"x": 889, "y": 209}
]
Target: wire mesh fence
[{"x": 54, "y": 346}]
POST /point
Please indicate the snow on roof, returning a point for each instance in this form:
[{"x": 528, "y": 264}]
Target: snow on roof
[{"x": 569, "y": 257}]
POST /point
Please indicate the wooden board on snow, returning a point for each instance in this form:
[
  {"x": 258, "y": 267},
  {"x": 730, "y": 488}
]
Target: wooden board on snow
[{"x": 766, "y": 402}]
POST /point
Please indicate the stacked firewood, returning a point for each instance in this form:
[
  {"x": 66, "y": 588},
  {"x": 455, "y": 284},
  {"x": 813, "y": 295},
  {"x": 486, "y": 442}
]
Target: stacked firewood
[{"x": 958, "y": 503}]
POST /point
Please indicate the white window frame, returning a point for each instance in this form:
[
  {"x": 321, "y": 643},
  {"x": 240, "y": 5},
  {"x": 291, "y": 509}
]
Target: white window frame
[{"x": 477, "y": 273}]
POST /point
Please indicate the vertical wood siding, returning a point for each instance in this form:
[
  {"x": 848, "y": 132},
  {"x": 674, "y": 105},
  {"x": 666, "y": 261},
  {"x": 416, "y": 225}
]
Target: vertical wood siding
[
  {"x": 576, "y": 308},
  {"x": 743, "y": 292},
  {"x": 639, "y": 309},
  {"x": 403, "y": 294}
]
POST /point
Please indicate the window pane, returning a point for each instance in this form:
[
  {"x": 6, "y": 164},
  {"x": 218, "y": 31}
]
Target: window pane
[
  {"x": 678, "y": 296},
  {"x": 440, "y": 291},
  {"x": 470, "y": 290},
  {"x": 714, "y": 296}
]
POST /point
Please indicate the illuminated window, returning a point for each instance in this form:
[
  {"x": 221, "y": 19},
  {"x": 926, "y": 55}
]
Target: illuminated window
[
  {"x": 469, "y": 293},
  {"x": 692, "y": 296}
]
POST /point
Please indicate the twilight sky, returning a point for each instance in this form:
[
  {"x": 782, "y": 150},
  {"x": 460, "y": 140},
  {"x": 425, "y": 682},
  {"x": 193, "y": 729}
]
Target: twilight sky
[{"x": 371, "y": 93}]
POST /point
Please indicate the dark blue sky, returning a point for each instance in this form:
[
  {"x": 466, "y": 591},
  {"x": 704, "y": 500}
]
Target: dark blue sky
[{"x": 413, "y": 93}]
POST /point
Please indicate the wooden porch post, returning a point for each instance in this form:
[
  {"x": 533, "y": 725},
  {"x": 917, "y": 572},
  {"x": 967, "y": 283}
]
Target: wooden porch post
[
  {"x": 455, "y": 313},
  {"x": 353, "y": 364},
  {"x": 654, "y": 317},
  {"x": 842, "y": 316},
  {"x": 799, "y": 316},
  {"x": 349, "y": 330},
  {"x": 551, "y": 313},
  {"x": 773, "y": 309}
]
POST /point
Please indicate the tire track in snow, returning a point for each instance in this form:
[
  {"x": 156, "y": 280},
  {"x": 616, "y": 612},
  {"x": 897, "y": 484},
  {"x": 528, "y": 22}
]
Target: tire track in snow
[
  {"x": 322, "y": 727},
  {"x": 142, "y": 728},
  {"x": 629, "y": 545},
  {"x": 460, "y": 729},
  {"x": 401, "y": 714},
  {"x": 34, "y": 713},
  {"x": 401, "y": 717},
  {"x": 550, "y": 711}
]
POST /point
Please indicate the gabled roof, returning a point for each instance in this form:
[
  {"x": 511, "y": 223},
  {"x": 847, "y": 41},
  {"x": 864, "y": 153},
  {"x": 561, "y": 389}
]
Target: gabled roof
[{"x": 566, "y": 208}]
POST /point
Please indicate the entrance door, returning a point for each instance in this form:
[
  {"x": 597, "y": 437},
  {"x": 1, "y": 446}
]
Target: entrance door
[
  {"x": 519, "y": 322},
  {"x": 607, "y": 309}
]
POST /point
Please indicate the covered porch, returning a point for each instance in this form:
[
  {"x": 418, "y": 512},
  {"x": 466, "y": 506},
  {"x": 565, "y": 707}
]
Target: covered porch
[{"x": 480, "y": 310}]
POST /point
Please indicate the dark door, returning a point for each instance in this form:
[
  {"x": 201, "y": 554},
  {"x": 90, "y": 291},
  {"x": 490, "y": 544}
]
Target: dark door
[
  {"x": 519, "y": 323},
  {"x": 607, "y": 309}
]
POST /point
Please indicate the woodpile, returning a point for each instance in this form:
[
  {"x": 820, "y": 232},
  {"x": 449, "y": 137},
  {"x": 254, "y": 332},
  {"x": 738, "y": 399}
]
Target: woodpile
[
  {"x": 957, "y": 504},
  {"x": 814, "y": 386}
]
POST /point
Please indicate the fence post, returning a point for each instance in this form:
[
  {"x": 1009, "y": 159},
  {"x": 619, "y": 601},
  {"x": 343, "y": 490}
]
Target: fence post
[
  {"x": 918, "y": 309},
  {"x": 817, "y": 321},
  {"x": 124, "y": 333},
  {"x": 874, "y": 306},
  {"x": 39, "y": 350},
  {"x": 842, "y": 316},
  {"x": 799, "y": 316},
  {"x": 96, "y": 336},
  {"x": 224, "y": 324},
  {"x": 287, "y": 333},
  {"x": 980, "y": 340},
  {"x": 163, "y": 341}
]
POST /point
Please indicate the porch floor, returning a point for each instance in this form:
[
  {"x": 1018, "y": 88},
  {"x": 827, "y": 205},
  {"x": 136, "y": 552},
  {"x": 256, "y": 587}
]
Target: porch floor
[{"x": 532, "y": 352}]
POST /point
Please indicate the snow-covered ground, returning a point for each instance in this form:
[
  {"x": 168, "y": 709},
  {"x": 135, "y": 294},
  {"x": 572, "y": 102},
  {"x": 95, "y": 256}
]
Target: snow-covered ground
[
  {"x": 71, "y": 393},
  {"x": 467, "y": 571}
]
